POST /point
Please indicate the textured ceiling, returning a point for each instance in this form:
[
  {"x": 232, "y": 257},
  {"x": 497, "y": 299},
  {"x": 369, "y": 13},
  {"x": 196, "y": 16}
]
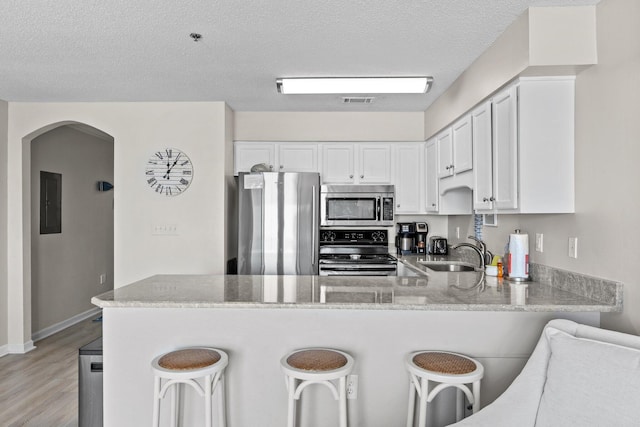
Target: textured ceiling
[{"x": 123, "y": 50}]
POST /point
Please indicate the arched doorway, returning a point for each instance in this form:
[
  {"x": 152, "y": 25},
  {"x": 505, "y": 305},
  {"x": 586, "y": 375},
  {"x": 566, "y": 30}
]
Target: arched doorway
[{"x": 73, "y": 260}]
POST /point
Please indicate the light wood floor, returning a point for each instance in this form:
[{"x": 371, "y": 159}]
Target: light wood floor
[{"x": 40, "y": 388}]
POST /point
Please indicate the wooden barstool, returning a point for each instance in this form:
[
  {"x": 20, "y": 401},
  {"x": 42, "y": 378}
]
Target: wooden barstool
[
  {"x": 187, "y": 366},
  {"x": 447, "y": 369},
  {"x": 317, "y": 366}
]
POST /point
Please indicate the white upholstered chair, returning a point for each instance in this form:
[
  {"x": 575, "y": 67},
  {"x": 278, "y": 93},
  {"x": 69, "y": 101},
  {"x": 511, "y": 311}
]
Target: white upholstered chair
[{"x": 577, "y": 375}]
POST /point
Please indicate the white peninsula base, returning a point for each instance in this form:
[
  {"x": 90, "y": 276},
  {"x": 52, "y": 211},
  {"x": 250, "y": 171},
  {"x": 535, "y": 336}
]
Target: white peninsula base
[{"x": 256, "y": 339}]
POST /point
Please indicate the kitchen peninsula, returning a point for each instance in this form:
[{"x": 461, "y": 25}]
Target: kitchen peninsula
[{"x": 257, "y": 319}]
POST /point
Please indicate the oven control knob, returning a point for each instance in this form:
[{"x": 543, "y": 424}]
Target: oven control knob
[{"x": 328, "y": 236}]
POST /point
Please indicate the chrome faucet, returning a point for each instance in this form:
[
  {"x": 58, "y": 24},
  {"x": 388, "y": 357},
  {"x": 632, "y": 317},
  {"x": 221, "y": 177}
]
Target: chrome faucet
[{"x": 481, "y": 251}]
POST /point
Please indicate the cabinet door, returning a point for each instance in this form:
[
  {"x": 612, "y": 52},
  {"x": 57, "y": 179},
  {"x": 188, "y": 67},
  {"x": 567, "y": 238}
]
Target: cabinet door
[
  {"x": 248, "y": 154},
  {"x": 374, "y": 164},
  {"x": 431, "y": 171},
  {"x": 298, "y": 157},
  {"x": 337, "y": 164},
  {"x": 407, "y": 182},
  {"x": 505, "y": 149},
  {"x": 482, "y": 157},
  {"x": 445, "y": 154},
  {"x": 462, "y": 145}
]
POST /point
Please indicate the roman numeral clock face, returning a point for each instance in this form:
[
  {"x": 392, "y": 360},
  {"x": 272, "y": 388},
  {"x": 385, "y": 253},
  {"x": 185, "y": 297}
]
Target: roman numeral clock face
[{"x": 169, "y": 172}]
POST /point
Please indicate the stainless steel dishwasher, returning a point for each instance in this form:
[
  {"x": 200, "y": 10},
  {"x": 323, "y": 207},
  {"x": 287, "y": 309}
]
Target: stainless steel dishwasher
[{"x": 90, "y": 384}]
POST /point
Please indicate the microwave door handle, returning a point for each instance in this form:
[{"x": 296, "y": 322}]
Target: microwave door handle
[{"x": 378, "y": 207}]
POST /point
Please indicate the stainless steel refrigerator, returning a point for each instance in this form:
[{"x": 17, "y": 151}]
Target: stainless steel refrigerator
[{"x": 278, "y": 223}]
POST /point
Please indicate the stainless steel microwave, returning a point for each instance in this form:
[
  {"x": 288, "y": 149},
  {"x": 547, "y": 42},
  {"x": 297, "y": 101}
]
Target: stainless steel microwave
[{"x": 356, "y": 205}]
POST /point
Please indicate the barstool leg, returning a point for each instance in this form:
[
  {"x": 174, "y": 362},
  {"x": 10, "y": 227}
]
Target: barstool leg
[
  {"x": 291, "y": 415},
  {"x": 156, "y": 402},
  {"x": 460, "y": 401},
  {"x": 207, "y": 400},
  {"x": 476, "y": 396},
  {"x": 222, "y": 407},
  {"x": 412, "y": 403},
  {"x": 176, "y": 392},
  {"x": 424, "y": 393},
  {"x": 343, "y": 401}
]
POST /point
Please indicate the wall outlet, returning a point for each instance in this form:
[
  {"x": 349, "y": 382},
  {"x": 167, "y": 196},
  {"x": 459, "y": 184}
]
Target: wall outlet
[
  {"x": 352, "y": 387},
  {"x": 165, "y": 230},
  {"x": 573, "y": 247},
  {"x": 103, "y": 278},
  {"x": 539, "y": 242}
]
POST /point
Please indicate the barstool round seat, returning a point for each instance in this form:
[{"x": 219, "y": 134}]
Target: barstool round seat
[
  {"x": 202, "y": 368},
  {"x": 449, "y": 370},
  {"x": 317, "y": 366}
]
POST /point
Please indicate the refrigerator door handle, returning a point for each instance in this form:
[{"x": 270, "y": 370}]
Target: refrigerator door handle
[{"x": 314, "y": 224}]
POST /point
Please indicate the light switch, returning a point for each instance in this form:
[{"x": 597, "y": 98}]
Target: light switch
[
  {"x": 539, "y": 242},
  {"x": 573, "y": 247}
]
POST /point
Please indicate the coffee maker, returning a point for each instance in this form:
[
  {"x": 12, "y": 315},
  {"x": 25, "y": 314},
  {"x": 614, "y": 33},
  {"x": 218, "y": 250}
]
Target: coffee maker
[
  {"x": 422, "y": 229},
  {"x": 406, "y": 238}
]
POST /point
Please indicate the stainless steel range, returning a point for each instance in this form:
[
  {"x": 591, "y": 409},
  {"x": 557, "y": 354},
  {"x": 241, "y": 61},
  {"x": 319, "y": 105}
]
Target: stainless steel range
[{"x": 349, "y": 252}]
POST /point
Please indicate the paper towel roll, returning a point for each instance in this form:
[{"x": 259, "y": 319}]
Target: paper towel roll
[{"x": 519, "y": 255}]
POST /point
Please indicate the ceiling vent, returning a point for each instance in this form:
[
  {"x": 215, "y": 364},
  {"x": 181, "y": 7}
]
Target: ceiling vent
[{"x": 358, "y": 99}]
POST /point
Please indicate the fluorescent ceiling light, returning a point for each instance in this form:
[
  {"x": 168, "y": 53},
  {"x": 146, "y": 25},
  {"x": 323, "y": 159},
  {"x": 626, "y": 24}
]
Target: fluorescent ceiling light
[{"x": 351, "y": 85}]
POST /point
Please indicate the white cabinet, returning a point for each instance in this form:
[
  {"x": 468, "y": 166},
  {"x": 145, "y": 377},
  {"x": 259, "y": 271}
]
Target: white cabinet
[
  {"x": 431, "y": 178},
  {"x": 409, "y": 178},
  {"x": 337, "y": 164},
  {"x": 301, "y": 157},
  {"x": 248, "y": 154},
  {"x": 356, "y": 163},
  {"x": 455, "y": 148},
  {"x": 374, "y": 164},
  {"x": 532, "y": 159},
  {"x": 482, "y": 157}
]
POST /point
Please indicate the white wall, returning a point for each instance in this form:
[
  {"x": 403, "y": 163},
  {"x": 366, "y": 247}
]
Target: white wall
[
  {"x": 607, "y": 175},
  {"x": 138, "y": 129},
  {"x": 4, "y": 118},
  {"x": 66, "y": 266},
  {"x": 309, "y": 126},
  {"x": 542, "y": 41}
]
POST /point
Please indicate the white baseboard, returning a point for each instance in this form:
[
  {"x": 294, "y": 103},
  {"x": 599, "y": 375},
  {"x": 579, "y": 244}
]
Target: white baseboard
[
  {"x": 20, "y": 348},
  {"x": 50, "y": 330},
  {"x": 4, "y": 350}
]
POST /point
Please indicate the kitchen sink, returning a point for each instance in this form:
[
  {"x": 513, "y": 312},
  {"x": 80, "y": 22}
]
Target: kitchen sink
[{"x": 448, "y": 266}]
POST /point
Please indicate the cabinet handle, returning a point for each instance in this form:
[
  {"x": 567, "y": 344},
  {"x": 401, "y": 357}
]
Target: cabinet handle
[
  {"x": 447, "y": 167},
  {"x": 492, "y": 199},
  {"x": 361, "y": 176},
  {"x": 271, "y": 167},
  {"x": 485, "y": 199},
  {"x": 433, "y": 204},
  {"x": 281, "y": 166},
  {"x": 398, "y": 205},
  {"x": 350, "y": 176}
]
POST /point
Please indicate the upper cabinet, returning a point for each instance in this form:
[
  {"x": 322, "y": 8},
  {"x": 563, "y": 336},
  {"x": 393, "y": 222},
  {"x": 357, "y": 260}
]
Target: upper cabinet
[
  {"x": 297, "y": 157},
  {"x": 409, "y": 172},
  {"x": 252, "y": 153},
  {"x": 337, "y": 164},
  {"x": 532, "y": 148},
  {"x": 455, "y": 148},
  {"x": 431, "y": 176},
  {"x": 356, "y": 163}
]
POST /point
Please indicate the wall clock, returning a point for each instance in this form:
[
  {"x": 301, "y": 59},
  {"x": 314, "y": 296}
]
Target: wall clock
[{"x": 169, "y": 172}]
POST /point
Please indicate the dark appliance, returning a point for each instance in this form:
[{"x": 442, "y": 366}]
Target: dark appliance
[
  {"x": 349, "y": 205},
  {"x": 90, "y": 384},
  {"x": 349, "y": 252},
  {"x": 406, "y": 238},
  {"x": 438, "y": 245},
  {"x": 422, "y": 229}
]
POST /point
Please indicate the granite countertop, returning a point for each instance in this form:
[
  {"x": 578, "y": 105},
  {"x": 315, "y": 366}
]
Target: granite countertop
[{"x": 441, "y": 291}]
